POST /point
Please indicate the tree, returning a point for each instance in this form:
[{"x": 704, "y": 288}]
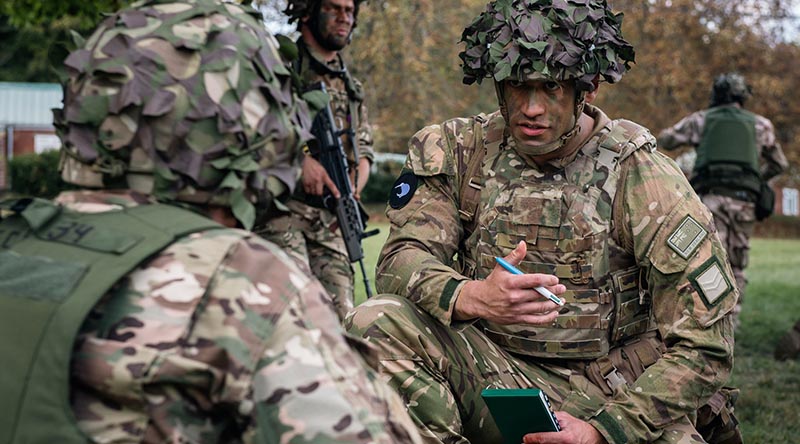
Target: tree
[{"x": 36, "y": 35}]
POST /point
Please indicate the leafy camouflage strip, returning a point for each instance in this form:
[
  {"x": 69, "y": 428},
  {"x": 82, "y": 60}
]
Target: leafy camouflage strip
[
  {"x": 576, "y": 39},
  {"x": 190, "y": 100},
  {"x": 220, "y": 338}
]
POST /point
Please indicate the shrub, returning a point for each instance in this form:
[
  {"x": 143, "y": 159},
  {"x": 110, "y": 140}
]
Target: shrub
[
  {"x": 380, "y": 182},
  {"x": 36, "y": 175}
]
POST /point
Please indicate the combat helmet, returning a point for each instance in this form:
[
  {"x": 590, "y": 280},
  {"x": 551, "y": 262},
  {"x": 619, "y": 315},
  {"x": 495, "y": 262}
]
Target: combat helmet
[
  {"x": 730, "y": 88},
  {"x": 297, "y": 9},
  {"x": 188, "y": 101},
  {"x": 555, "y": 39}
]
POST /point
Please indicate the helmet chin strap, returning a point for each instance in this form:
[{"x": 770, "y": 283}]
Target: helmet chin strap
[{"x": 580, "y": 104}]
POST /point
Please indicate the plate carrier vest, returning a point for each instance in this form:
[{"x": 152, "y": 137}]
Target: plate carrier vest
[{"x": 55, "y": 265}]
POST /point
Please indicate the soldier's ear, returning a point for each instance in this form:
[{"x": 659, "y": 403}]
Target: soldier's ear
[{"x": 591, "y": 95}]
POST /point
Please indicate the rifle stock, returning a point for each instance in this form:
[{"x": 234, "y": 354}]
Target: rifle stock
[{"x": 329, "y": 151}]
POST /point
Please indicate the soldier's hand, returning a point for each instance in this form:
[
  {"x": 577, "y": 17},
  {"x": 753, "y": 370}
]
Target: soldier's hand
[
  {"x": 573, "y": 431},
  {"x": 507, "y": 298},
  {"x": 316, "y": 179}
]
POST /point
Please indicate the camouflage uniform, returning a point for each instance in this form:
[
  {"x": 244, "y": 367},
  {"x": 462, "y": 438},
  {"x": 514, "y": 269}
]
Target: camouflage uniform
[
  {"x": 644, "y": 344},
  {"x": 311, "y": 232},
  {"x": 217, "y": 336},
  {"x": 734, "y": 218},
  {"x": 238, "y": 343}
]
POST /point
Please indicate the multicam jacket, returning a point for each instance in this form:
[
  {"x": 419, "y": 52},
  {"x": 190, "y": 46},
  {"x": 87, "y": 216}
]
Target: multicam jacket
[
  {"x": 656, "y": 222},
  {"x": 347, "y": 99},
  {"x": 220, "y": 338}
]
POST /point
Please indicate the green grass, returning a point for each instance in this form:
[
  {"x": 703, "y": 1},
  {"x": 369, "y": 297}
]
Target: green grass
[
  {"x": 372, "y": 248},
  {"x": 769, "y": 404}
]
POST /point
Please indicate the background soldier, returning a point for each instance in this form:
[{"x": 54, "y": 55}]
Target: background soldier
[
  {"x": 310, "y": 232},
  {"x": 585, "y": 206},
  {"x": 736, "y": 154},
  {"x": 183, "y": 330},
  {"x": 788, "y": 346}
]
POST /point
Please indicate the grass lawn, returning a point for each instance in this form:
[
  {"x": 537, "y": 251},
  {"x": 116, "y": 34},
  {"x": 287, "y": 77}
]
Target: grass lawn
[{"x": 769, "y": 403}]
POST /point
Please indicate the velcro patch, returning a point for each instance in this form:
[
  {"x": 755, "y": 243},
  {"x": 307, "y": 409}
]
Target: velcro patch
[
  {"x": 711, "y": 282},
  {"x": 403, "y": 190},
  {"x": 687, "y": 237}
]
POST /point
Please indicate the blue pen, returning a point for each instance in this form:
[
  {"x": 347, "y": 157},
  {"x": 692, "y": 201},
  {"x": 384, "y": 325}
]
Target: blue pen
[{"x": 544, "y": 292}]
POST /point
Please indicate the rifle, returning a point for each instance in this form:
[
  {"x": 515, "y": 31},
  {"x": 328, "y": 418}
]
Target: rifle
[{"x": 328, "y": 150}]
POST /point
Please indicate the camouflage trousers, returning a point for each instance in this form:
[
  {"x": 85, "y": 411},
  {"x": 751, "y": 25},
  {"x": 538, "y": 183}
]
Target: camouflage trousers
[
  {"x": 440, "y": 371},
  {"x": 311, "y": 236},
  {"x": 735, "y": 220}
]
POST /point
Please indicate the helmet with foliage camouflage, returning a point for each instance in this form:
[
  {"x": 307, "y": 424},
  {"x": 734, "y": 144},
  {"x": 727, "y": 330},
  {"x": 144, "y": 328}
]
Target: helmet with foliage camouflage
[
  {"x": 297, "y": 9},
  {"x": 729, "y": 88},
  {"x": 558, "y": 39},
  {"x": 184, "y": 100}
]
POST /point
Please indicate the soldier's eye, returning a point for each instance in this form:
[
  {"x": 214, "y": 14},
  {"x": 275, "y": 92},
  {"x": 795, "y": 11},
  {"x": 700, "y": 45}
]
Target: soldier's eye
[
  {"x": 552, "y": 86},
  {"x": 515, "y": 84}
]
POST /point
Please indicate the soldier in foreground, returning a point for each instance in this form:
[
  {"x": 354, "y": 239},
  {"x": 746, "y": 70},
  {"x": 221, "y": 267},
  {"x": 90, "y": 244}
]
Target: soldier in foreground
[
  {"x": 309, "y": 232},
  {"x": 736, "y": 156},
  {"x": 135, "y": 316},
  {"x": 587, "y": 208}
]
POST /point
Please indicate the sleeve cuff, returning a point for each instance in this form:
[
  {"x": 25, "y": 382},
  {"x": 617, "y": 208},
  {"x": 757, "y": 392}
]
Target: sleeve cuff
[
  {"x": 609, "y": 427},
  {"x": 447, "y": 302}
]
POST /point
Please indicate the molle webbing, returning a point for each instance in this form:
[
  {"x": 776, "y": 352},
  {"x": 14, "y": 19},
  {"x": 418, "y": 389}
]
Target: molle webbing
[
  {"x": 70, "y": 260},
  {"x": 471, "y": 174},
  {"x": 605, "y": 306}
]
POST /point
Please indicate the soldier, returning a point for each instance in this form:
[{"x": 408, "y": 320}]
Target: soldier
[
  {"x": 129, "y": 316},
  {"x": 587, "y": 208},
  {"x": 310, "y": 231},
  {"x": 736, "y": 154}
]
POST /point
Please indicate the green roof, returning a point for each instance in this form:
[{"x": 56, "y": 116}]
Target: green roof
[{"x": 28, "y": 104}]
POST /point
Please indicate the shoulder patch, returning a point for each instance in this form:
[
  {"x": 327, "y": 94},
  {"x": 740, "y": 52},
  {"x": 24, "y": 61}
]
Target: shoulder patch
[
  {"x": 711, "y": 282},
  {"x": 403, "y": 190},
  {"x": 687, "y": 237}
]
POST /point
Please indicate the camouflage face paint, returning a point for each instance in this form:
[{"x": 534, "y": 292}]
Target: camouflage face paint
[
  {"x": 333, "y": 24},
  {"x": 539, "y": 113}
]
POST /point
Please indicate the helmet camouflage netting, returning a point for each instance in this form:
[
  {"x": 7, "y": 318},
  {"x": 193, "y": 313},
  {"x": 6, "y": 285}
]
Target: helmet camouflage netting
[
  {"x": 560, "y": 39},
  {"x": 297, "y": 9},
  {"x": 729, "y": 88},
  {"x": 187, "y": 100}
]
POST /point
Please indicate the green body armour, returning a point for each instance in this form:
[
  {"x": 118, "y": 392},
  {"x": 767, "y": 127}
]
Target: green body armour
[
  {"x": 565, "y": 217},
  {"x": 727, "y": 156},
  {"x": 55, "y": 265}
]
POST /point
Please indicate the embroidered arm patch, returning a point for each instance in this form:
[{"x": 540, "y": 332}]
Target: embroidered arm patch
[
  {"x": 403, "y": 190},
  {"x": 687, "y": 237},
  {"x": 711, "y": 282}
]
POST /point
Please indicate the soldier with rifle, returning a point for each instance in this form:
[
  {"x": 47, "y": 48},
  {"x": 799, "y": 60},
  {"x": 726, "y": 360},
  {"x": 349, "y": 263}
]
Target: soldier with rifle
[
  {"x": 310, "y": 230},
  {"x": 132, "y": 309}
]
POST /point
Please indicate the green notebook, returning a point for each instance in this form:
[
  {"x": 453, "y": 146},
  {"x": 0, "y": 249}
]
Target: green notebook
[{"x": 518, "y": 412}]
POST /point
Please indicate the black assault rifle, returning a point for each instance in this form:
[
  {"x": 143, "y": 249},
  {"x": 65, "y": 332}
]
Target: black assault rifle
[{"x": 328, "y": 150}]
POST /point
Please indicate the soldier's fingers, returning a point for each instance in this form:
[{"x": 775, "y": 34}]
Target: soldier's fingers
[
  {"x": 535, "y": 280},
  {"x": 331, "y": 186}
]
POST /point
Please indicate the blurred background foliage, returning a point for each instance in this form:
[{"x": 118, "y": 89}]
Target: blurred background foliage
[{"x": 406, "y": 54}]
